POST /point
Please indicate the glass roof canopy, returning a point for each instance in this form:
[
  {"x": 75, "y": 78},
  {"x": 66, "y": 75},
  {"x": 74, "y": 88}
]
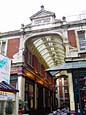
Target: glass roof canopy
[{"x": 48, "y": 48}]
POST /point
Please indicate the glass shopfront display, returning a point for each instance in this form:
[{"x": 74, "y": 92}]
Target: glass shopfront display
[
  {"x": 1, "y": 107},
  {"x": 79, "y": 82},
  {"x": 29, "y": 96}
]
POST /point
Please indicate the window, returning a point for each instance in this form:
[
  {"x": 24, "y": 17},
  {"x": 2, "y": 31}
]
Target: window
[
  {"x": 31, "y": 96},
  {"x": 82, "y": 40},
  {"x": 30, "y": 58},
  {"x": 3, "y": 47},
  {"x": 39, "y": 68}
]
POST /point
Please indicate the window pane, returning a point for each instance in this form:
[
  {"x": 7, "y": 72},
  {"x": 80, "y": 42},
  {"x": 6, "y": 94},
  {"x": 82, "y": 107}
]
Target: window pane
[
  {"x": 30, "y": 58},
  {"x": 82, "y": 41},
  {"x": 3, "y": 46},
  {"x": 81, "y": 35}
]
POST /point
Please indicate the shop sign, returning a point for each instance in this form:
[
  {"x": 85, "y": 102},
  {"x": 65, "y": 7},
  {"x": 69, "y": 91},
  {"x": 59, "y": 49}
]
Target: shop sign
[
  {"x": 7, "y": 95},
  {"x": 5, "y": 64}
]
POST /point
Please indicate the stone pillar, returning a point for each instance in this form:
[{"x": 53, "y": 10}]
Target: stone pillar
[
  {"x": 63, "y": 91},
  {"x": 18, "y": 57},
  {"x": 16, "y": 103},
  {"x": 21, "y": 87},
  {"x": 67, "y": 49},
  {"x": 21, "y": 46},
  {"x": 71, "y": 94},
  {"x": 58, "y": 93},
  {"x": 66, "y": 42}
]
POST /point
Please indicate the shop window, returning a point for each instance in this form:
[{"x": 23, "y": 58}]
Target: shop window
[
  {"x": 29, "y": 96},
  {"x": 65, "y": 82},
  {"x": 3, "y": 47},
  {"x": 31, "y": 99},
  {"x": 9, "y": 107},
  {"x": 1, "y": 107},
  {"x": 82, "y": 40},
  {"x": 14, "y": 81}
]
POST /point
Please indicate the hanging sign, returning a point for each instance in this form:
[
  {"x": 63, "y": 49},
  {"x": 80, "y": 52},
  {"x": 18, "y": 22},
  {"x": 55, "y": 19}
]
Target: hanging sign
[{"x": 5, "y": 64}]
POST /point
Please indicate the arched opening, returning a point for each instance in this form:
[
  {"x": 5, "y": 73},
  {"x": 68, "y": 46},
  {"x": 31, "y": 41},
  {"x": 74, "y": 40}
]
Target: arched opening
[{"x": 48, "y": 48}]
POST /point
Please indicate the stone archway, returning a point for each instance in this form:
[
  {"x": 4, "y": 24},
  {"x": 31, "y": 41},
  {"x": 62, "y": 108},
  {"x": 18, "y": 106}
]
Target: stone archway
[{"x": 48, "y": 47}]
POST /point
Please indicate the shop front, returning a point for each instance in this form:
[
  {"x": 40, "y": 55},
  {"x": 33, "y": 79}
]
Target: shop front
[
  {"x": 77, "y": 85},
  {"x": 39, "y": 96},
  {"x": 8, "y": 99},
  {"x": 79, "y": 79}
]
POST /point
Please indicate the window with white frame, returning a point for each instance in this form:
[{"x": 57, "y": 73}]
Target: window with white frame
[
  {"x": 82, "y": 39},
  {"x": 3, "y": 47}
]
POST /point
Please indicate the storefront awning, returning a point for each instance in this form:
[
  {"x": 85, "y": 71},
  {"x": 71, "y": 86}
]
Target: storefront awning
[
  {"x": 67, "y": 66},
  {"x": 7, "y": 87}
]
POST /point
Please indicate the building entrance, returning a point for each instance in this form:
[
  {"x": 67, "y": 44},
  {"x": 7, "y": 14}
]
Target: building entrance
[{"x": 79, "y": 83}]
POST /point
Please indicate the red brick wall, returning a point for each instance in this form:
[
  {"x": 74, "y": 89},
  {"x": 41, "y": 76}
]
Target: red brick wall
[
  {"x": 83, "y": 54},
  {"x": 72, "y": 38},
  {"x": 12, "y": 47}
]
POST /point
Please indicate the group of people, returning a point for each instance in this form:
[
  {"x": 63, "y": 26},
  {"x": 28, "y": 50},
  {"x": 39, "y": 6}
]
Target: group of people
[{"x": 61, "y": 111}]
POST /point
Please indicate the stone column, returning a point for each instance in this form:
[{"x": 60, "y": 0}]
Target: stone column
[
  {"x": 71, "y": 93},
  {"x": 58, "y": 93},
  {"x": 66, "y": 42},
  {"x": 67, "y": 49},
  {"x": 63, "y": 91},
  {"x": 21, "y": 87},
  {"x": 16, "y": 103},
  {"x": 18, "y": 57}
]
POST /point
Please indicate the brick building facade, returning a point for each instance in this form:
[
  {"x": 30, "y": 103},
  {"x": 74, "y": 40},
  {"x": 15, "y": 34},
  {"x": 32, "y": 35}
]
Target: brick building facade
[{"x": 44, "y": 43}]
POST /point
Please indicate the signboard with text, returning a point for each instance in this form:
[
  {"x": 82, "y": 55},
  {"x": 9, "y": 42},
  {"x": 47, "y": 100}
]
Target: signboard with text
[
  {"x": 5, "y": 65},
  {"x": 6, "y": 95}
]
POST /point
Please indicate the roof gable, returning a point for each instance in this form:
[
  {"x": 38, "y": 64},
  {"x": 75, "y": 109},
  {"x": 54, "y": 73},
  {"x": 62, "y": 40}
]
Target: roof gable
[{"x": 42, "y": 13}]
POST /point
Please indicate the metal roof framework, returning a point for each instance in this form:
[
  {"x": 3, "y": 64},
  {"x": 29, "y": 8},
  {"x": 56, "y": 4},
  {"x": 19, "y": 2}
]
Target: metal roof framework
[{"x": 48, "y": 48}]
